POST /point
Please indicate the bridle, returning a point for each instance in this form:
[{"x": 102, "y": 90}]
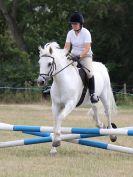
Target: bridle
[{"x": 53, "y": 68}]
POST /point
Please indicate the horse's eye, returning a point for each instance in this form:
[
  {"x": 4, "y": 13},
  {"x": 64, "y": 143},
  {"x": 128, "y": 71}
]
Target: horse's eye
[{"x": 49, "y": 64}]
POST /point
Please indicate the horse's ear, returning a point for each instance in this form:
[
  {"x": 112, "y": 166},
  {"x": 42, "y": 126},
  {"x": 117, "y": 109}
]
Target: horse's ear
[
  {"x": 50, "y": 50},
  {"x": 40, "y": 49}
]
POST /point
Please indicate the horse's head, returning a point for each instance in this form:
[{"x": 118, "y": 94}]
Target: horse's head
[{"x": 47, "y": 63}]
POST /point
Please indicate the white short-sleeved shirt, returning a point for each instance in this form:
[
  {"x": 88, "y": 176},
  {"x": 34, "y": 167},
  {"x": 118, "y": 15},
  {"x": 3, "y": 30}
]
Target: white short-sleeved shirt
[{"x": 78, "y": 41}]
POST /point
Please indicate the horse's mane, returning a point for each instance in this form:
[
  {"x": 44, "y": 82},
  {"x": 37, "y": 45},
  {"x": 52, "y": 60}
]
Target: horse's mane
[
  {"x": 52, "y": 45},
  {"x": 52, "y": 49}
]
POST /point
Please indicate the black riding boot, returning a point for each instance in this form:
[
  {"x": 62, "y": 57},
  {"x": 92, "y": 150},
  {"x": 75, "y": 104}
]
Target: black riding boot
[{"x": 91, "y": 86}]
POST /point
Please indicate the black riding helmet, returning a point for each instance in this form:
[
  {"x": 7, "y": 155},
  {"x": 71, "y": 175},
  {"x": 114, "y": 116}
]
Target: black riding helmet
[{"x": 77, "y": 18}]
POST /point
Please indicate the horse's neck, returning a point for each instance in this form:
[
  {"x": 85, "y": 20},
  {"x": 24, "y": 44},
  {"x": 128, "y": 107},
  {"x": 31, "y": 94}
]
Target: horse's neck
[{"x": 66, "y": 75}]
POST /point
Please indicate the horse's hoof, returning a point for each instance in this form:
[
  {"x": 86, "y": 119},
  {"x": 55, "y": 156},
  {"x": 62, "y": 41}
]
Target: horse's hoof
[
  {"x": 53, "y": 151},
  {"x": 113, "y": 125},
  {"x": 56, "y": 143},
  {"x": 113, "y": 138}
]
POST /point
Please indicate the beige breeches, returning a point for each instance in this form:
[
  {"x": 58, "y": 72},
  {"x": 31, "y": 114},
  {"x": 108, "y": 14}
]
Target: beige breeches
[{"x": 87, "y": 63}]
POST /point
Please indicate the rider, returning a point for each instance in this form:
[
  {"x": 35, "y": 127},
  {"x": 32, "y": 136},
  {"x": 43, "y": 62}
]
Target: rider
[{"x": 79, "y": 38}]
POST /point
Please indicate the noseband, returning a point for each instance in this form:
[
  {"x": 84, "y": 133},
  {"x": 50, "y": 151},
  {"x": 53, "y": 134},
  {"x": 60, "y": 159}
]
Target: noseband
[{"x": 52, "y": 68}]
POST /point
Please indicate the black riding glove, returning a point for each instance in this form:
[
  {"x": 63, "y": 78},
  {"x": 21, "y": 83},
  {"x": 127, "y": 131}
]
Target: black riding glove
[{"x": 76, "y": 58}]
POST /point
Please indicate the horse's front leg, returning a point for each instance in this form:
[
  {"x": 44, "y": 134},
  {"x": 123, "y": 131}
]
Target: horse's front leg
[
  {"x": 113, "y": 138},
  {"x": 56, "y": 109},
  {"x": 68, "y": 107}
]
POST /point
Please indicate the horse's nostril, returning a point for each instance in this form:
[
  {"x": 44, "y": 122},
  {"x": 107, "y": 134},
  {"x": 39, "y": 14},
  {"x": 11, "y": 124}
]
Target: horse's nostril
[{"x": 40, "y": 83}]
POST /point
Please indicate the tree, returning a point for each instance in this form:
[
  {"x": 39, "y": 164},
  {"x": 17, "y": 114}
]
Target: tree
[
  {"x": 32, "y": 23},
  {"x": 12, "y": 23}
]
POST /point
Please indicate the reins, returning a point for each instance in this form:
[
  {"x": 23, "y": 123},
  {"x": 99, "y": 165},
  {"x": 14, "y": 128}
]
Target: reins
[
  {"x": 62, "y": 69},
  {"x": 53, "y": 67}
]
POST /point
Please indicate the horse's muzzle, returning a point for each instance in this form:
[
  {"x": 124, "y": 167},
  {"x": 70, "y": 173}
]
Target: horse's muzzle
[{"x": 41, "y": 81}]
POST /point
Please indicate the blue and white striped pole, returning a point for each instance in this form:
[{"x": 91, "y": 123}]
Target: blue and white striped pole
[
  {"x": 39, "y": 140},
  {"x": 25, "y": 142},
  {"x": 118, "y": 131},
  {"x": 69, "y": 138},
  {"x": 41, "y": 134},
  {"x": 45, "y": 134},
  {"x": 102, "y": 145}
]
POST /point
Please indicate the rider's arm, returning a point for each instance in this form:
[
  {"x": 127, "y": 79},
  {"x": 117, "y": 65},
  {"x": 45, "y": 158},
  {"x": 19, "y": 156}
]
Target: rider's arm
[
  {"x": 85, "y": 50},
  {"x": 67, "y": 46}
]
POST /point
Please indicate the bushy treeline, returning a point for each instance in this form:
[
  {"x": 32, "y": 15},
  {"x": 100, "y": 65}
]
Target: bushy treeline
[{"x": 24, "y": 25}]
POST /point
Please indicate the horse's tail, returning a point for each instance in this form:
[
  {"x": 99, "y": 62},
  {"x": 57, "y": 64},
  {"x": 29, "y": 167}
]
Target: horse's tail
[
  {"x": 112, "y": 103},
  {"x": 113, "y": 106}
]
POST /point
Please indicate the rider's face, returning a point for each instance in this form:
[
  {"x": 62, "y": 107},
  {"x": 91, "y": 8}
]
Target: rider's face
[{"x": 75, "y": 26}]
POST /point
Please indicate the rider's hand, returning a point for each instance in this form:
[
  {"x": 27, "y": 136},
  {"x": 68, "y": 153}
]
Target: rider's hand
[
  {"x": 70, "y": 56},
  {"x": 76, "y": 58}
]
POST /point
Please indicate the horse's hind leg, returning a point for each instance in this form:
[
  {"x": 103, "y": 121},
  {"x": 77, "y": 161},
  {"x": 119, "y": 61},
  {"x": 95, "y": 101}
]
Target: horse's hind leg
[
  {"x": 96, "y": 116},
  {"x": 106, "y": 103}
]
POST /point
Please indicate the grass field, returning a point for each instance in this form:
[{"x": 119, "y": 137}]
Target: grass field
[{"x": 71, "y": 160}]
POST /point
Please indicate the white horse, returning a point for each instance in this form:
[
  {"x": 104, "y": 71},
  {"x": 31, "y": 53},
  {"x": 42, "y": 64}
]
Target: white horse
[{"x": 67, "y": 87}]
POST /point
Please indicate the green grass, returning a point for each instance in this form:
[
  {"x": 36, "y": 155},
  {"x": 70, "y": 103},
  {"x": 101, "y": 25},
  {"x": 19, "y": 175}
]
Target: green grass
[
  {"x": 72, "y": 160},
  {"x": 126, "y": 107},
  {"x": 124, "y": 100}
]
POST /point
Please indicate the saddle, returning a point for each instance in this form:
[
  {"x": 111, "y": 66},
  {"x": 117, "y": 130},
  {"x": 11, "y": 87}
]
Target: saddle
[{"x": 84, "y": 79}]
